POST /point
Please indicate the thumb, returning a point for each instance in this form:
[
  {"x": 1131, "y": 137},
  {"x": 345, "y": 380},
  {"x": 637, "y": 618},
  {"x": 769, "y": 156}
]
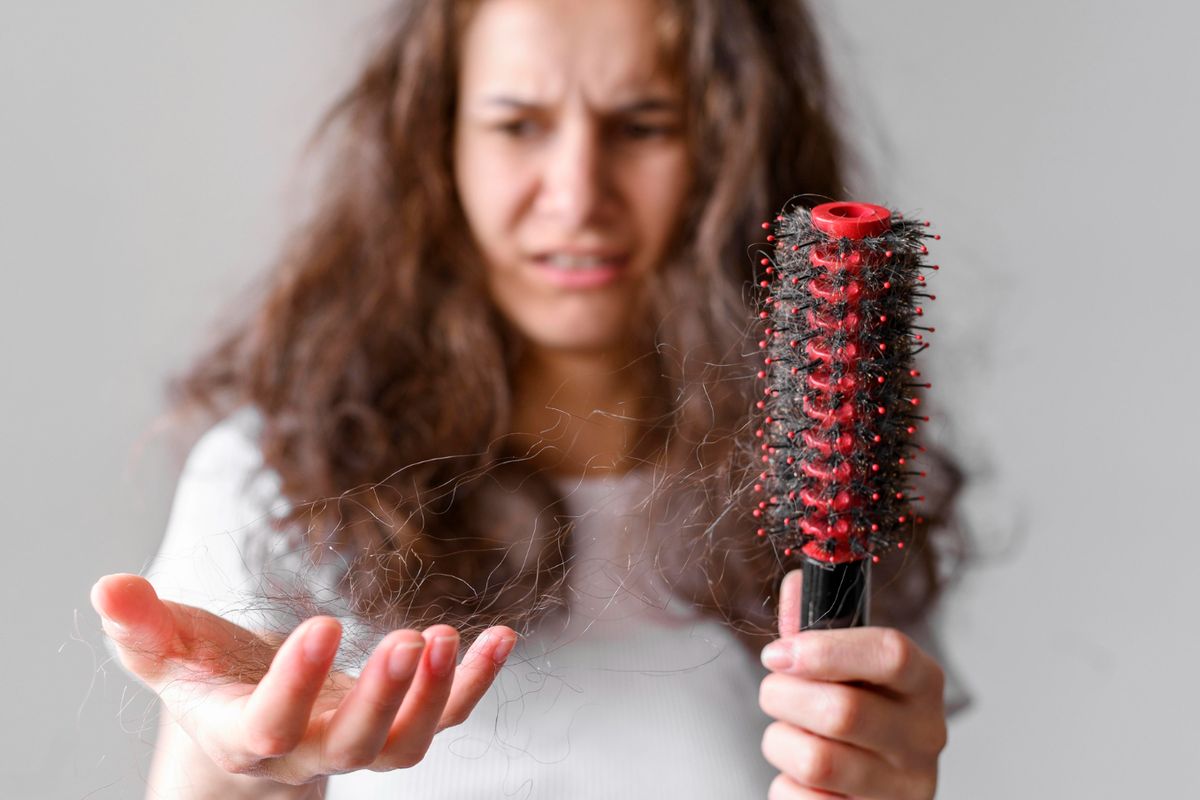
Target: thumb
[
  {"x": 131, "y": 612},
  {"x": 136, "y": 620},
  {"x": 789, "y": 602},
  {"x": 159, "y": 640}
]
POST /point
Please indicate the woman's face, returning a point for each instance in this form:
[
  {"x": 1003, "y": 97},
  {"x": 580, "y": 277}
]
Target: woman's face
[{"x": 570, "y": 162}]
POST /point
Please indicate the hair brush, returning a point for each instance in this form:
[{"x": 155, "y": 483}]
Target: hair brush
[{"x": 840, "y": 404}]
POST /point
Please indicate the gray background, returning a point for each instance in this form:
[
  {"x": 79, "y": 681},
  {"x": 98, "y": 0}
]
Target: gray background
[{"x": 149, "y": 166}]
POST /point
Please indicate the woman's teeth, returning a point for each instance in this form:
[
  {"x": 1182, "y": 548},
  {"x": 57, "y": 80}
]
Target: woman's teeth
[{"x": 569, "y": 262}]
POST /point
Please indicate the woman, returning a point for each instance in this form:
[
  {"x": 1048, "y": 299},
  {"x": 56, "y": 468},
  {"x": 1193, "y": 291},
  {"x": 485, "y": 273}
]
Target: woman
[{"x": 520, "y": 303}]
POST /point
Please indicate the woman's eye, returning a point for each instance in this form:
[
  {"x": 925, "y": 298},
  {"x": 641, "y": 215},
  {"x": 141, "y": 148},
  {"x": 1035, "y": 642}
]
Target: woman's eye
[
  {"x": 646, "y": 130},
  {"x": 518, "y": 128}
]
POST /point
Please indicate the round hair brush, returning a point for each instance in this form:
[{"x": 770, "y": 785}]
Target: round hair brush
[{"x": 840, "y": 401}]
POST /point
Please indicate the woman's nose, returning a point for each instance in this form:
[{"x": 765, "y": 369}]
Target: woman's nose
[{"x": 575, "y": 183}]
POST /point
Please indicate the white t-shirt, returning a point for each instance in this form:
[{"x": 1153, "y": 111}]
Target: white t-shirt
[{"x": 634, "y": 696}]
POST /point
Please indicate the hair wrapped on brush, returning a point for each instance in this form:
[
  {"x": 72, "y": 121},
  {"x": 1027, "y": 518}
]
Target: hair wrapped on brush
[{"x": 840, "y": 401}]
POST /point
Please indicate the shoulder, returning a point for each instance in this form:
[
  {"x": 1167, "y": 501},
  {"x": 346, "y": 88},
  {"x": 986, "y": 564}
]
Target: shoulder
[
  {"x": 224, "y": 549},
  {"x": 224, "y": 479},
  {"x": 228, "y": 448},
  {"x": 221, "y": 513}
]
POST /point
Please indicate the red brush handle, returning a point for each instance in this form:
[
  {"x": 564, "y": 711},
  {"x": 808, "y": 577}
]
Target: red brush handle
[
  {"x": 851, "y": 220},
  {"x": 839, "y": 324}
]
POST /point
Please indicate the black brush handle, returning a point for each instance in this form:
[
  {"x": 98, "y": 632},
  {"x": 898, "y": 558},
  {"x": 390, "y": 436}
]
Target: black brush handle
[{"x": 835, "y": 595}]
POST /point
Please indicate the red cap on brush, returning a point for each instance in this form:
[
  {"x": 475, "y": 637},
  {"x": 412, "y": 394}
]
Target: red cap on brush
[{"x": 840, "y": 397}]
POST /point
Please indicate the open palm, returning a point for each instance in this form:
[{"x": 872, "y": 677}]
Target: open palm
[{"x": 275, "y": 709}]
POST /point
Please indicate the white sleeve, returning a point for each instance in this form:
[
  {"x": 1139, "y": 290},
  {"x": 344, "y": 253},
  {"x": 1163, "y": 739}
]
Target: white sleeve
[{"x": 220, "y": 551}]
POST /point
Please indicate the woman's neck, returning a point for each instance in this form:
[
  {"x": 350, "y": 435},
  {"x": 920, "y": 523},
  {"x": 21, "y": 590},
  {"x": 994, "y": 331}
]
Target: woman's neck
[{"x": 577, "y": 413}]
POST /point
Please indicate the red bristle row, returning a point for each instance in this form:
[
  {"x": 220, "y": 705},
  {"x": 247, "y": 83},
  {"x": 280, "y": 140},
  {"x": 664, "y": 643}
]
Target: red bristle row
[{"x": 840, "y": 406}]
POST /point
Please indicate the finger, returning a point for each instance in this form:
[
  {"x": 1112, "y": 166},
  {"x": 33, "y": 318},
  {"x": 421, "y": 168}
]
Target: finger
[
  {"x": 784, "y": 788},
  {"x": 880, "y": 656},
  {"x": 416, "y": 722},
  {"x": 275, "y": 716},
  {"x": 161, "y": 641},
  {"x": 360, "y": 726},
  {"x": 138, "y": 622},
  {"x": 814, "y": 762},
  {"x": 855, "y": 715},
  {"x": 790, "y": 592},
  {"x": 479, "y": 668}
]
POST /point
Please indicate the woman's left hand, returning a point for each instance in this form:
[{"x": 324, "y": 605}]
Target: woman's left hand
[{"x": 859, "y": 711}]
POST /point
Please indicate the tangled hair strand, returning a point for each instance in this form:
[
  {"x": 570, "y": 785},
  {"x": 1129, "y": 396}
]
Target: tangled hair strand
[{"x": 383, "y": 374}]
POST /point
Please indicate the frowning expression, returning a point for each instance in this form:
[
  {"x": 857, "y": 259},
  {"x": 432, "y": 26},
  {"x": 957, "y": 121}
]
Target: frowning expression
[{"x": 570, "y": 162}]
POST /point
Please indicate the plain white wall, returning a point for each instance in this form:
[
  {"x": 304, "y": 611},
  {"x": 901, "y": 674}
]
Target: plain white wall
[{"x": 148, "y": 154}]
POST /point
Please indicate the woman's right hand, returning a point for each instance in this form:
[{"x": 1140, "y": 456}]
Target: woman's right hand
[{"x": 276, "y": 710}]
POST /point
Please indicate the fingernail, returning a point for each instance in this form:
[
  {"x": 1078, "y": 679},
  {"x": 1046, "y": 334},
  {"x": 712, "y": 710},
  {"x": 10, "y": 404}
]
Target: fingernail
[
  {"x": 503, "y": 648},
  {"x": 402, "y": 661},
  {"x": 111, "y": 626},
  {"x": 316, "y": 644},
  {"x": 477, "y": 647},
  {"x": 776, "y": 656},
  {"x": 441, "y": 655}
]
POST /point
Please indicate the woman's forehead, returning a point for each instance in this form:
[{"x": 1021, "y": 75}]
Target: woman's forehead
[{"x": 545, "y": 51}]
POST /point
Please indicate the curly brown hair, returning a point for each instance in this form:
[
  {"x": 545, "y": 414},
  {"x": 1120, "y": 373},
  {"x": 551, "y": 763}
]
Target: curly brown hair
[{"x": 383, "y": 373}]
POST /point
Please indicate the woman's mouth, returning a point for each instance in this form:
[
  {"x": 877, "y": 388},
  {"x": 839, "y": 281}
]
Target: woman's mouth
[{"x": 575, "y": 270}]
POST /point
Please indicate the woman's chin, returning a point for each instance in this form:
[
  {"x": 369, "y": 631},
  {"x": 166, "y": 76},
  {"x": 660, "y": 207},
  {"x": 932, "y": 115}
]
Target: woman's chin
[
  {"x": 595, "y": 323},
  {"x": 576, "y": 342}
]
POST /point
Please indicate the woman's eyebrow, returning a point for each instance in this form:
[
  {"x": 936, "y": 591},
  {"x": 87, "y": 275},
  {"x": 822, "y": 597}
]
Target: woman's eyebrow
[
  {"x": 508, "y": 102},
  {"x": 648, "y": 104},
  {"x": 640, "y": 105}
]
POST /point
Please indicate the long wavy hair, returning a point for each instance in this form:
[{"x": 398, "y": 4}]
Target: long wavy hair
[{"x": 383, "y": 374}]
